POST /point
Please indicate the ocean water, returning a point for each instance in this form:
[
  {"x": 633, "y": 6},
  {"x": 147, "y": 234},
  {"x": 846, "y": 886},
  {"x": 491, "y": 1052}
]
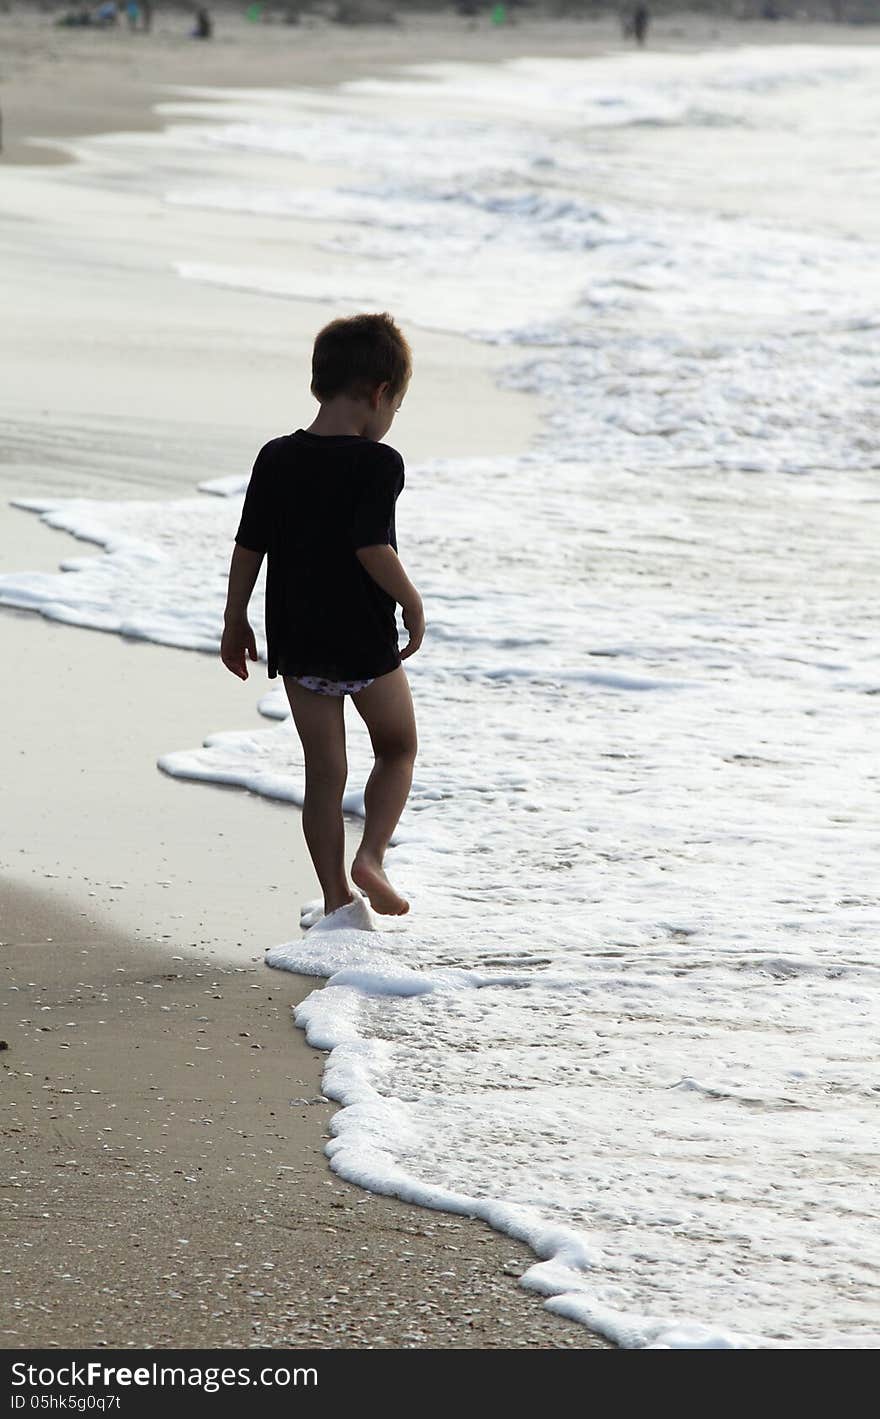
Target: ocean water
[{"x": 632, "y": 1015}]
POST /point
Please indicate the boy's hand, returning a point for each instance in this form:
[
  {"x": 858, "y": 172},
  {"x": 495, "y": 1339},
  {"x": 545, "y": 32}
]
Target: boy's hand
[
  {"x": 414, "y": 620},
  {"x": 238, "y": 641}
]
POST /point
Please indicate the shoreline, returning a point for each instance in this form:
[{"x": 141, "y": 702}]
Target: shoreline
[
  {"x": 120, "y": 75},
  {"x": 164, "y": 1182},
  {"x": 162, "y": 1152},
  {"x": 128, "y": 894}
]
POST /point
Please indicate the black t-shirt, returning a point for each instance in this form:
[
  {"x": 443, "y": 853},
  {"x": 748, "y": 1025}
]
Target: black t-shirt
[{"x": 312, "y": 500}]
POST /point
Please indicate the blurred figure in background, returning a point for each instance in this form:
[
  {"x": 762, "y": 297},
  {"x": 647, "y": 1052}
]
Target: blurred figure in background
[
  {"x": 635, "y": 21},
  {"x": 204, "y": 24}
]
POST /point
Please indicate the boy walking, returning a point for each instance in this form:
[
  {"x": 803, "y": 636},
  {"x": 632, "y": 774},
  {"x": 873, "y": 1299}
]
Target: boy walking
[{"x": 320, "y": 505}]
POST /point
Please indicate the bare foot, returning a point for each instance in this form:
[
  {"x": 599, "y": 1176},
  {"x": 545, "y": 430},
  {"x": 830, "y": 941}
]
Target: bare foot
[{"x": 369, "y": 875}]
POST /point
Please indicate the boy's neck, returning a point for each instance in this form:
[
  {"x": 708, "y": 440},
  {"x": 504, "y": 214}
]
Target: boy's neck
[{"x": 340, "y": 417}]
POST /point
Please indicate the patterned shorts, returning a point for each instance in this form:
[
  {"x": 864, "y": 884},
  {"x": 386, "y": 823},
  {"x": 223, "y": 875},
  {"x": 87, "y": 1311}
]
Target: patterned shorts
[{"x": 331, "y": 687}]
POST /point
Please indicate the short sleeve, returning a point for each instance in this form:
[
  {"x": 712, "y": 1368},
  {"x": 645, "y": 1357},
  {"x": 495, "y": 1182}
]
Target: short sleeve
[
  {"x": 253, "y": 529},
  {"x": 372, "y": 518}
]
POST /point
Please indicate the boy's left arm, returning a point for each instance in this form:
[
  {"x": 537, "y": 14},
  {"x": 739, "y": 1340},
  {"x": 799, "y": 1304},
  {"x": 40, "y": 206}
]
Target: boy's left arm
[{"x": 238, "y": 640}]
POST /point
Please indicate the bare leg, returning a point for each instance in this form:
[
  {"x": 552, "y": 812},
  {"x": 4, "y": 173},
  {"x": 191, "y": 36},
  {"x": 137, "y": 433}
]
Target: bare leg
[
  {"x": 320, "y": 724},
  {"x": 387, "y": 710}
]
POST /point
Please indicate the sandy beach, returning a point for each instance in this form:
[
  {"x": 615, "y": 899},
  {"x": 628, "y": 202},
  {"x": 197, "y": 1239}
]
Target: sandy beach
[
  {"x": 152, "y": 1209},
  {"x": 165, "y": 1123},
  {"x": 57, "y": 83},
  {"x": 164, "y": 1180}
]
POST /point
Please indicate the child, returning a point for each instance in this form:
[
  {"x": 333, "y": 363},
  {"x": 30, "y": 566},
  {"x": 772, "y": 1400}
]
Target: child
[{"x": 320, "y": 503}]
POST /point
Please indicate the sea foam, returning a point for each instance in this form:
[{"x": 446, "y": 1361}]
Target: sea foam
[{"x": 631, "y": 1016}]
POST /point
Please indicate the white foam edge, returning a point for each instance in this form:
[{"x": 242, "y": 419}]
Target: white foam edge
[{"x": 328, "y": 1018}]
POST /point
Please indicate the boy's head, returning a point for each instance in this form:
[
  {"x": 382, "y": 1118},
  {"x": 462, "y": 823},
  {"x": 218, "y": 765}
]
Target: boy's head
[{"x": 364, "y": 358}]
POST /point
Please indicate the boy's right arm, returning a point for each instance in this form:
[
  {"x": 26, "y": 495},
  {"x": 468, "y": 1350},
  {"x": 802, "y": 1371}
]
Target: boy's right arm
[
  {"x": 238, "y": 640},
  {"x": 251, "y": 545},
  {"x": 387, "y": 570}
]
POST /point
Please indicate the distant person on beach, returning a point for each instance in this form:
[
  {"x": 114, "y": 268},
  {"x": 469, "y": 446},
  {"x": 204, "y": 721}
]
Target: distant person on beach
[
  {"x": 204, "y": 26},
  {"x": 320, "y": 506},
  {"x": 636, "y": 22}
]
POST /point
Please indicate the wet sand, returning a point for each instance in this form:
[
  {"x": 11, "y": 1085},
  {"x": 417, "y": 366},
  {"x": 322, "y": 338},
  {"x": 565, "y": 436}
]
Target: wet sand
[
  {"x": 163, "y": 1173},
  {"x": 165, "y": 1125}
]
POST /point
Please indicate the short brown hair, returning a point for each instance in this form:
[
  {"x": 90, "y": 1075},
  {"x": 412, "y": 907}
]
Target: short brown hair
[{"x": 355, "y": 354}]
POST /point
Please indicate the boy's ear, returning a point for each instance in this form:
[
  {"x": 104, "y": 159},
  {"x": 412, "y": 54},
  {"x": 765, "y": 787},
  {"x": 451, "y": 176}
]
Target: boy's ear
[{"x": 379, "y": 394}]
